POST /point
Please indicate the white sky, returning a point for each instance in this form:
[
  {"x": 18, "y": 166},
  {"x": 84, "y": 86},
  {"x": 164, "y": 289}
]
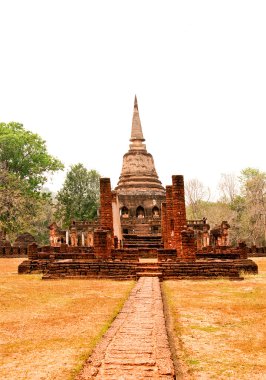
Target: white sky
[{"x": 69, "y": 71}]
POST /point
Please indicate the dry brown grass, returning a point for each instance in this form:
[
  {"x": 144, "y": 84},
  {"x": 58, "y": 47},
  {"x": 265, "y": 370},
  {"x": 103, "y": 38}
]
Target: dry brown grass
[
  {"x": 220, "y": 326},
  {"x": 48, "y": 328}
]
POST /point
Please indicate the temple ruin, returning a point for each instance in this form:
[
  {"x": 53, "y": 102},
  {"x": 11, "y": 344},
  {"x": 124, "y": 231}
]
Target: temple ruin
[
  {"x": 139, "y": 191},
  {"x": 141, "y": 230}
]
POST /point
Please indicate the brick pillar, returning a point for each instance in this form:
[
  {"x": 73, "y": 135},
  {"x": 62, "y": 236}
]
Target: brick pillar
[
  {"x": 15, "y": 251},
  {"x": 102, "y": 243},
  {"x": 7, "y": 250},
  {"x": 169, "y": 218},
  {"x": 179, "y": 209},
  {"x": 106, "y": 213},
  {"x": 163, "y": 223},
  {"x": 63, "y": 248},
  {"x": 243, "y": 250},
  {"x": 188, "y": 249},
  {"x": 31, "y": 250}
]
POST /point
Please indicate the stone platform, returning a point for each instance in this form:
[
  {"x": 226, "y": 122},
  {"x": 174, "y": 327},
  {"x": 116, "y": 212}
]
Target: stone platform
[
  {"x": 136, "y": 345},
  {"x": 54, "y": 267}
]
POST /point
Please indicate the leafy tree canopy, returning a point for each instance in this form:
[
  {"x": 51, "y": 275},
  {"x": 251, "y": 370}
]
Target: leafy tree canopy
[
  {"x": 253, "y": 188},
  {"x": 24, "y": 166},
  {"x": 22, "y": 210},
  {"x": 79, "y": 197},
  {"x": 253, "y": 183},
  {"x": 242, "y": 204},
  {"x": 24, "y": 153}
]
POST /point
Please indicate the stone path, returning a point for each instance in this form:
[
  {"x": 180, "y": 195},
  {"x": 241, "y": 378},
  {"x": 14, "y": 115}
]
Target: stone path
[{"x": 136, "y": 345}]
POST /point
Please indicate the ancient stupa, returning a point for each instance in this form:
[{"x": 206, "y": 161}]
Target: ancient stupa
[
  {"x": 140, "y": 220},
  {"x": 140, "y": 192}
]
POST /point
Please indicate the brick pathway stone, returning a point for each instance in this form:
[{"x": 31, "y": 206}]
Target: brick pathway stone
[{"x": 136, "y": 345}]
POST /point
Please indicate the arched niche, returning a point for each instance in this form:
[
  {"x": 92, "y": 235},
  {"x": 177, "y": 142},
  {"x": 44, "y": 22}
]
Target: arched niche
[
  {"x": 140, "y": 213},
  {"x": 155, "y": 212},
  {"x": 124, "y": 212}
]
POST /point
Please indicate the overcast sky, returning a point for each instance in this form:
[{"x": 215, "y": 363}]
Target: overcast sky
[{"x": 69, "y": 71}]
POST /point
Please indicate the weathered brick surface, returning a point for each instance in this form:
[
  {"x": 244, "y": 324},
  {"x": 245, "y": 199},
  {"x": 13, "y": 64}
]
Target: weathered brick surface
[
  {"x": 124, "y": 264},
  {"x": 32, "y": 250},
  {"x": 104, "y": 236},
  {"x": 106, "y": 212},
  {"x": 103, "y": 243},
  {"x": 136, "y": 346},
  {"x": 179, "y": 209},
  {"x": 163, "y": 222},
  {"x": 142, "y": 242},
  {"x": 188, "y": 246},
  {"x": 9, "y": 251},
  {"x": 169, "y": 224},
  {"x": 167, "y": 254}
]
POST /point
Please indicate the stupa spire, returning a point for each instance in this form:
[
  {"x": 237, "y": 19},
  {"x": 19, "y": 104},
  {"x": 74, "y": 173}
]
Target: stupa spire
[
  {"x": 136, "y": 103},
  {"x": 138, "y": 170},
  {"x": 136, "y": 130}
]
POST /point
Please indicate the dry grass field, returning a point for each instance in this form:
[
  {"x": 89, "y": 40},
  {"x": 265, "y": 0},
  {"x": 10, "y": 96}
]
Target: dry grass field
[
  {"x": 219, "y": 326},
  {"x": 48, "y": 328}
]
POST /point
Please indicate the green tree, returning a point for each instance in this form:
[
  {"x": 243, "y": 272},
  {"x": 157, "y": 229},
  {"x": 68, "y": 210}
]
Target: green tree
[
  {"x": 246, "y": 200},
  {"x": 22, "y": 210},
  {"x": 25, "y": 154},
  {"x": 79, "y": 197},
  {"x": 12, "y": 202},
  {"x": 43, "y": 216},
  {"x": 253, "y": 191},
  {"x": 24, "y": 166},
  {"x": 242, "y": 204},
  {"x": 238, "y": 208}
]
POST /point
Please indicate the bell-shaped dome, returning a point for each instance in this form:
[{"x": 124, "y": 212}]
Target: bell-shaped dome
[{"x": 138, "y": 171}]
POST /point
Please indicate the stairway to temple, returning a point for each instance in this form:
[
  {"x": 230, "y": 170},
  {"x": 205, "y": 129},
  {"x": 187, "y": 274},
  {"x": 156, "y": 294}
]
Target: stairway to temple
[
  {"x": 142, "y": 241},
  {"x": 148, "y": 268}
]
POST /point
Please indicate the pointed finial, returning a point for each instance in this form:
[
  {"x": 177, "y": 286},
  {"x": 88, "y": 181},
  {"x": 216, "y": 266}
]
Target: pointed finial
[
  {"x": 136, "y": 103},
  {"x": 136, "y": 130}
]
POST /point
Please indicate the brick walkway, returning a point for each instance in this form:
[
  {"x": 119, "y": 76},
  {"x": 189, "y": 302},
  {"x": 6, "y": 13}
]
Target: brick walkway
[{"x": 136, "y": 345}]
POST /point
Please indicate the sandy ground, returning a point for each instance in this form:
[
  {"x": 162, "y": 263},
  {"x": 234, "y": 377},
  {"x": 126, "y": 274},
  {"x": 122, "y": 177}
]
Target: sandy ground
[
  {"x": 220, "y": 326},
  {"x": 48, "y": 328}
]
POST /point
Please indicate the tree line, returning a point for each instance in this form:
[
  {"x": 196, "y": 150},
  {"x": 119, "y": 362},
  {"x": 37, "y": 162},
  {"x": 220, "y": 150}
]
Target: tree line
[
  {"x": 26, "y": 205},
  {"x": 242, "y": 203}
]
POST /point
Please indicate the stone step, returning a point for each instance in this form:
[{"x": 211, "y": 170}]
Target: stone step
[
  {"x": 143, "y": 240},
  {"x": 148, "y": 267},
  {"x": 142, "y": 246},
  {"x": 142, "y": 236},
  {"x": 149, "y": 274}
]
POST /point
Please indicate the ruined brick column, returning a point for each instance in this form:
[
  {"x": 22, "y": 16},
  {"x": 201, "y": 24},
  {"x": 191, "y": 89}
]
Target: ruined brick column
[
  {"x": 243, "y": 250},
  {"x": 15, "y": 251},
  {"x": 63, "y": 248},
  {"x": 179, "y": 209},
  {"x": 163, "y": 223},
  {"x": 32, "y": 249},
  {"x": 169, "y": 219},
  {"x": 106, "y": 213},
  {"x": 102, "y": 243},
  {"x": 7, "y": 249},
  {"x": 189, "y": 248},
  {"x": 104, "y": 236}
]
